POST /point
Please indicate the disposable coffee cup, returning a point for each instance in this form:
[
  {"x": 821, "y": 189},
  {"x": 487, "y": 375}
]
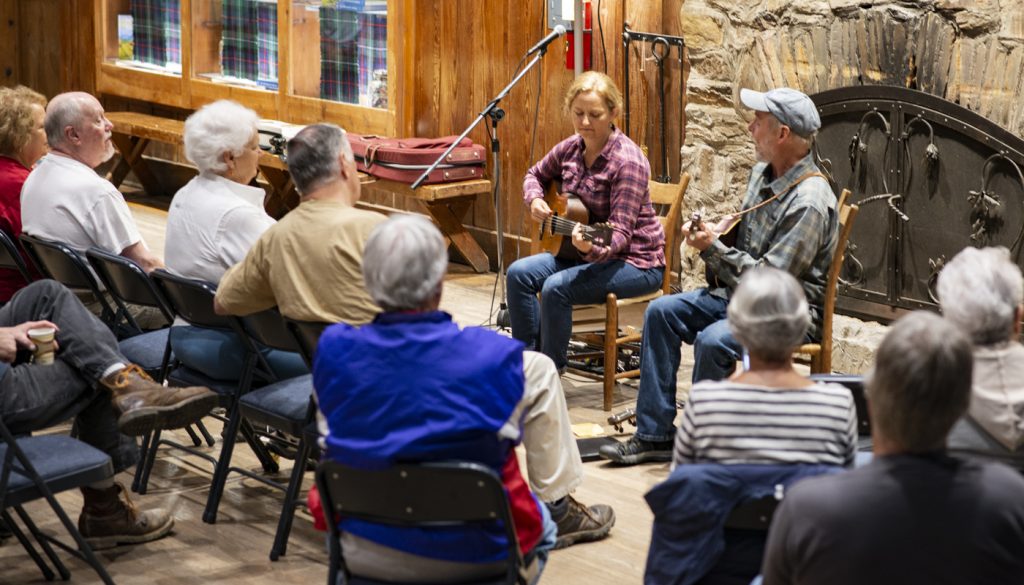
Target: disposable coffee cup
[{"x": 43, "y": 338}]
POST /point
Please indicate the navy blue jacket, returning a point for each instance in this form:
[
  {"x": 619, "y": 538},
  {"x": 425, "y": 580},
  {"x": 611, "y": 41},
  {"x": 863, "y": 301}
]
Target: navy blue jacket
[{"x": 691, "y": 507}]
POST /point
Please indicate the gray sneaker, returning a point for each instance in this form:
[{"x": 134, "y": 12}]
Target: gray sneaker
[{"x": 636, "y": 451}]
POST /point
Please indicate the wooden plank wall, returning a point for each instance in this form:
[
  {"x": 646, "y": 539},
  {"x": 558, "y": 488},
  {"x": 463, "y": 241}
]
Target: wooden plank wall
[
  {"x": 466, "y": 52},
  {"x": 463, "y": 53},
  {"x": 47, "y": 45}
]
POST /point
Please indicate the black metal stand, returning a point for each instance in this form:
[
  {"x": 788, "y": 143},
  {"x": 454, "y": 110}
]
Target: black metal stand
[{"x": 496, "y": 114}]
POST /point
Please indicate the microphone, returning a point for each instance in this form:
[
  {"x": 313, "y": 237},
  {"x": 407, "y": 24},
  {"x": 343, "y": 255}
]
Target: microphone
[{"x": 543, "y": 44}]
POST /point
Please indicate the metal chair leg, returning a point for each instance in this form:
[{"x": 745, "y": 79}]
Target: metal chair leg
[
  {"x": 206, "y": 434},
  {"x": 154, "y": 444},
  {"x": 220, "y": 475},
  {"x": 291, "y": 501},
  {"x": 27, "y": 545},
  {"x": 141, "y": 465},
  {"x": 196, "y": 441}
]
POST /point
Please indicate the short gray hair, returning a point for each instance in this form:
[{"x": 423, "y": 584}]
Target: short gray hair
[
  {"x": 920, "y": 384},
  {"x": 216, "y": 128},
  {"x": 64, "y": 110},
  {"x": 768, "y": 313},
  {"x": 313, "y": 156},
  {"x": 404, "y": 262},
  {"x": 979, "y": 291}
]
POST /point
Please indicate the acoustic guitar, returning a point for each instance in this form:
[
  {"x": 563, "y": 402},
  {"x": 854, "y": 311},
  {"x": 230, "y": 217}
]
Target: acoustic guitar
[
  {"x": 726, "y": 235},
  {"x": 556, "y": 231}
]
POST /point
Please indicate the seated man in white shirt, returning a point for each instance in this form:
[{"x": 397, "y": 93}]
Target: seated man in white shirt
[{"x": 64, "y": 199}]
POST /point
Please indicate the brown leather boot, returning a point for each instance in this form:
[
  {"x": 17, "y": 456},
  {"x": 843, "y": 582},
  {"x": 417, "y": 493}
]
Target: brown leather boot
[
  {"x": 579, "y": 523},
  {"x": 145, "y": 405},
  {"x": 109, "y": 518}
]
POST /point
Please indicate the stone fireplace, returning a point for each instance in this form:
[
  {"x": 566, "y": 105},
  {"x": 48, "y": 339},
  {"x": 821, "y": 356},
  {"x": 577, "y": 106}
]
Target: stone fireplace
[{"x": 964, "y": 58}]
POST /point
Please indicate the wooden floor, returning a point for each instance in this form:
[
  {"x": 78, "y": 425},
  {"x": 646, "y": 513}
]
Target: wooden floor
[{"x": 236, "y": 549}]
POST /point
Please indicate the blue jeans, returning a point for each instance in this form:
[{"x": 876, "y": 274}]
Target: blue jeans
[
  {"x": 696, "y": 318},
  {"x": 220, "y": 354},
  {"x": 562, "y": 284}
]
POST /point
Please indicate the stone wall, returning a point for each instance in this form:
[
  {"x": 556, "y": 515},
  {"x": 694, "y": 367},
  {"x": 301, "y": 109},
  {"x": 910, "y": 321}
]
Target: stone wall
[{"x": 967, "y": 51}]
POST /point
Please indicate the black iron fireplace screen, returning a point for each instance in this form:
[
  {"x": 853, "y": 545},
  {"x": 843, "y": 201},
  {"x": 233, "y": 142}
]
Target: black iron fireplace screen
[{"x": 931, "y": 178}]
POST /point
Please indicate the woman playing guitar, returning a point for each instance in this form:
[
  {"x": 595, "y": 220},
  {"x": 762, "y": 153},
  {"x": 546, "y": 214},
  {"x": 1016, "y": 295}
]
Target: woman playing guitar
[{"x": 608, "y": 173}]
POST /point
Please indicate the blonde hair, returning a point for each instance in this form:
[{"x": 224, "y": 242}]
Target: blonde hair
[
  {"x": 16, "y": 121},
  {"x": 598, "y": 83}
]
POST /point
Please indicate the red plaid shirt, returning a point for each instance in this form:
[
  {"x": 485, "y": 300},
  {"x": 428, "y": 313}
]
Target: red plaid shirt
[{"x": 613, "y": 189}]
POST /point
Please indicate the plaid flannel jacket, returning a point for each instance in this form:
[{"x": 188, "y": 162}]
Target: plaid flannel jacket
[{"x": 797, "y": 233}]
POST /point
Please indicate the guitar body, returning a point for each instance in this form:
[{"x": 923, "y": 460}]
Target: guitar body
[{"x": 549, "y": 239}]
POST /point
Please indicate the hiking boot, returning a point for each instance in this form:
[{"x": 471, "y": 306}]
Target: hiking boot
[
  {"x": 579, "y": 523},
  {"x": 636, "y": 451},
  {"x": 109, "y": 518},
  {"x": 145, "y": 405}
]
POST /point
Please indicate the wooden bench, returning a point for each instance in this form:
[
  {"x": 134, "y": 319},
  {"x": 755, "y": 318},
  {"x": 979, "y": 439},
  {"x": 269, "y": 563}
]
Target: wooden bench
[{"x": 447, "y": 203}]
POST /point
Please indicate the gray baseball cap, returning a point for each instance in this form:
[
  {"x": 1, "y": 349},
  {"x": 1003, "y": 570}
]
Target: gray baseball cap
[{"x": 793, "y": 108}]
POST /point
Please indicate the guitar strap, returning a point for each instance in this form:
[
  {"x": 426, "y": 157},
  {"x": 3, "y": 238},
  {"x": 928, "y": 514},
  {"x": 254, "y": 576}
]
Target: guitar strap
[
  {"x": 712, "y": 279},
  {"x": 790, "y": 187}
]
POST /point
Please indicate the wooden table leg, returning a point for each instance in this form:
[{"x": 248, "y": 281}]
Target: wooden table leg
[
  {"x": 449, "y": 217},
  {"x": 131, "y": 148}
]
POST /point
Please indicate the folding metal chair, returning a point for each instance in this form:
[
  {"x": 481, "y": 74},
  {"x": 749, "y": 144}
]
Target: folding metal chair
[
  {"x": 39, "y": 467},
  {"x": 425, "y": 495},
  {"x": 10, "y": 257},
  {"x": 192, "y": 300},
  {"x": 62, "y": 263}
]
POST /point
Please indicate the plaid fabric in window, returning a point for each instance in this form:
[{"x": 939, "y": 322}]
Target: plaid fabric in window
[
  {"x": 373, "y": 48},
  {"x": 156, "y": 28},
  {"x": 172, "y": 30},
  {"x": 239, "y": 52},
  {"x": 266, "y": 34},
  {"x": 339, "y": 63}
]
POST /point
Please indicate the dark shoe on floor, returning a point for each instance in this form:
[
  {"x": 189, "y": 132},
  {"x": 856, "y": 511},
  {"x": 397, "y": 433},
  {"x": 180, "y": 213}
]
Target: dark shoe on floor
[
  {"x": 109, "y": 518},
  {"x": 636, "y": 451},
  {"x": 145, "y": 405},
  {"x": 579, "y": 523}
]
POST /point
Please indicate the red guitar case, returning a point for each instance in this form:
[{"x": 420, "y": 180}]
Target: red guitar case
[{"x": 405, "y": 159}]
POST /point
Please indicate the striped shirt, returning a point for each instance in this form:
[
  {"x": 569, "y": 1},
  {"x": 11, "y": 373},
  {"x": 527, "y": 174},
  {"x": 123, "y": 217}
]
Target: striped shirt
[
  {"x": 727, "y": 422},
  {"x": 613, "y": 189}
]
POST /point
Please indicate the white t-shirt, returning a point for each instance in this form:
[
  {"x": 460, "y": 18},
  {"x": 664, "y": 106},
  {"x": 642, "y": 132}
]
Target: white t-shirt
[
  {"x": 67, "y": 201},
  {"x": 212, "y": 223}
]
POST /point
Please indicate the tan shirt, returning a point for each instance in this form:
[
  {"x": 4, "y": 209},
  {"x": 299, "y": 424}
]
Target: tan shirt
[{"x": 309, "y": 265}]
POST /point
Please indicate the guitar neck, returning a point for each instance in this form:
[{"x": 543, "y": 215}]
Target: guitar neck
[{"x": 563, "y": 227}]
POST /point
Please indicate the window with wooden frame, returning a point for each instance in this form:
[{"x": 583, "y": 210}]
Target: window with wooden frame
[{"x": 299, "y": 61}]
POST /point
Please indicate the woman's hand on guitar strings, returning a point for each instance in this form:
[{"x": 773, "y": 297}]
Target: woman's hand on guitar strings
[
  {"x": 579, "y": 242},
  {"x": 539, "y": 210}
]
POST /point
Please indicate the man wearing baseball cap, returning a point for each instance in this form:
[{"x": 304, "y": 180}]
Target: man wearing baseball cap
[{"x": 787, "y": 220}]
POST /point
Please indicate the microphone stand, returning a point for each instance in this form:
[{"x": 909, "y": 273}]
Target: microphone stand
[{"x": 496, "y": 114}]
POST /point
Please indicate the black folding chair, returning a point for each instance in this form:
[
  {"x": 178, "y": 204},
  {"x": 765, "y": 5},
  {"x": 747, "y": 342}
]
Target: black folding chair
[
  {"x": 128, "y": 283},
  {"x": 39, "y": 467},
  {"x": 10, "y": 257},
  {"x": 267, "y": 405},
  {"x": 425, "y": 495},
  {"x": 192, "y": 300},
  {"x": 284, "y": 405},
  {"x": 62, "y": 263}
]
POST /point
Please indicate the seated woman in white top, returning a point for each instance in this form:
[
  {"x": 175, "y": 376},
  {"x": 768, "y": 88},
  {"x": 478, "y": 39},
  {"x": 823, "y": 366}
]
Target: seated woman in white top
[
  {"x": 212, "y": 223},
  {"x": 982, "y": 292},
  {"x": 768, "y": 414}
]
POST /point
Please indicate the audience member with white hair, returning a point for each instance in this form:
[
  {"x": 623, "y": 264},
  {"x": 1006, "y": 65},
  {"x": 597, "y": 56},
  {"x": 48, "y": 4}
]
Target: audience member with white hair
[
  {"x": 981, "y": 291},
  {"x": 64, "y": 199},
  {"x": 309, "y": 264},
  {"x": 481, "y": 395},
  {"x": 213, "y": 222},
  {"x": 914, "y": 514},
  {"x": 768, "y": 414}
]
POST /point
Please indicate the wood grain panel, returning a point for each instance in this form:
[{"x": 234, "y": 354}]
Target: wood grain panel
[{"x": 10, "y": 67}]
